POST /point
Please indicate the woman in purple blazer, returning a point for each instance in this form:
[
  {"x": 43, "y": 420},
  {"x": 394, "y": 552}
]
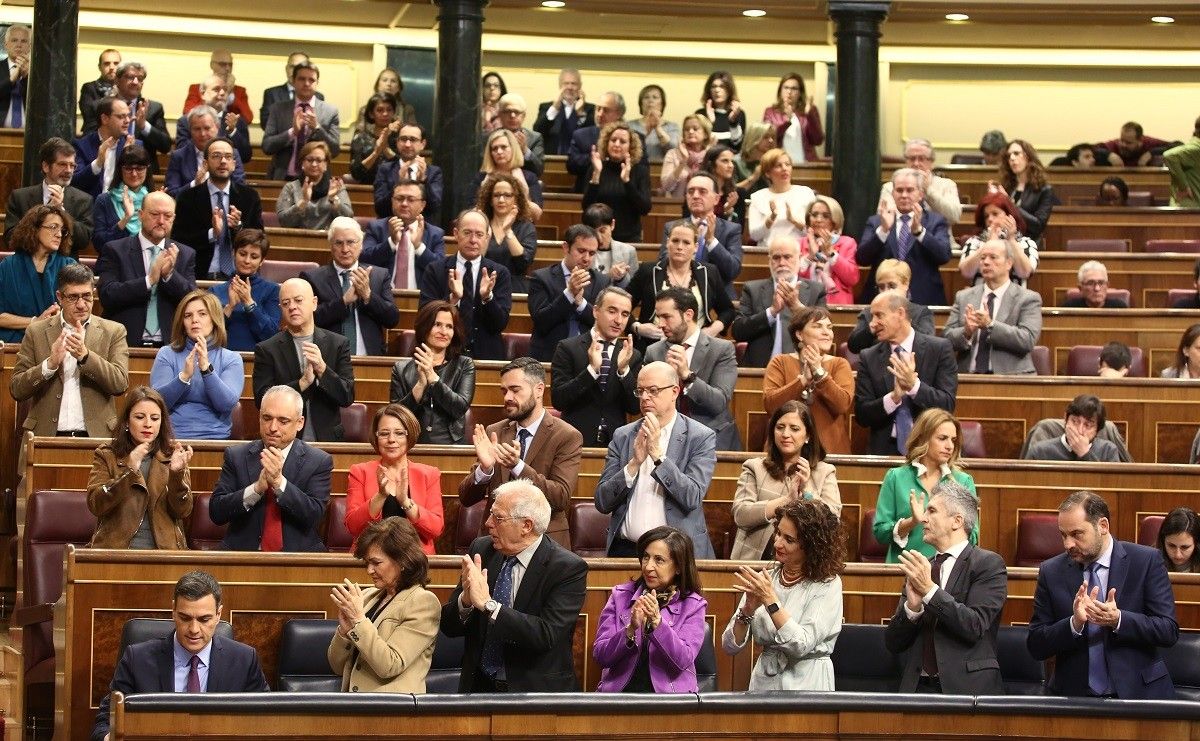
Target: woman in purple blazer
[{"x": 651, "y": 629}]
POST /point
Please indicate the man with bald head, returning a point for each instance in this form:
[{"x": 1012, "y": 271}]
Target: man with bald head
[
  {"x": 234, "y": 101},
  {"x": 719, "y": 241},
  {"x": 143, "y": 277},
  {"x": 658, "y": 468},
  {"x": 900, "y": 376},
  {"x": 313, "y": 361},
  {"x": 558, "y": 119},
  {"x": 908, "y": 229},
  {"x": 230, "y": 124}
]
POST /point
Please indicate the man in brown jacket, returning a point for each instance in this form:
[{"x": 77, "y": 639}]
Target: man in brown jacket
[{"x": 530, "y": 444}]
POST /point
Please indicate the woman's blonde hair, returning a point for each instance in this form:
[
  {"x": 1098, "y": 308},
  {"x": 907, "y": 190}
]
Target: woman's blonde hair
[
  {"x": 922, "y": 433},
  {"x": 518, "y": 157},
  {"x": 179, "y": 337}
]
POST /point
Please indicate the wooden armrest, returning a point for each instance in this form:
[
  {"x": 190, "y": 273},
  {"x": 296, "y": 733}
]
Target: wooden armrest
[{"x": 33, "y": 614}]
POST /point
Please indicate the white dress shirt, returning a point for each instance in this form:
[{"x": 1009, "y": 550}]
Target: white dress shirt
[
  {"x": 647, "y": 503},
  {"x": 70, "y": 410},
  {"x": 250, "y": 497},
  {"x": 995, "y": 310}
]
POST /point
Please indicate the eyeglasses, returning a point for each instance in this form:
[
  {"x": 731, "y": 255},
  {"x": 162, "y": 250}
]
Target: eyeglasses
[
  {"x": 314, "y": 160},
  {"x": 1094, "y": 283},
  {"x": 503, "y": 196},
  {"x": 407, "y": 199},
  {"x": 472, "y": 234},
  {"x": 651, "y": 391},
  {"x": 391, "y": 435},
  {"x": 75, "y": 298},
  {"x": 408, "y": 139},
  {"x": 226, "y": 156},
  {"x": 52, "y": 228},
  {"x": 134, "y": 78},
  {"x": 135, "y": 168},
  {"x": 501, "y": 519},
  {"x": 511, "y": 112}
]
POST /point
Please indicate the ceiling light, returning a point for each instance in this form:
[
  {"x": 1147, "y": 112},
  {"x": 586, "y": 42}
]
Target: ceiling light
[
  {"x": 957, "y": 17},
  {"x": 754, "y": 13},
  {"x": 553, "y": 4},
  {"x": 1162, "y": 19}
]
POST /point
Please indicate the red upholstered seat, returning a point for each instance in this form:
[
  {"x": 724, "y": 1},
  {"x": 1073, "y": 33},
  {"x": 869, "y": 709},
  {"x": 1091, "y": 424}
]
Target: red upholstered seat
[
  {"x": 516, "y": 345},
  {"x": 277, "y": 271},
  {"x": 1173, "y": 245},
  {"x": 333, "y": 529},
  {"x": 1084, "y": 360},
  {"x": 1149, "y": 528},
  {"x": 589, "y": 530},
  {"x": 1037, "y": 537},
  {"x": 972, "y": 444},
  {"x": 467, "y": 525},
  {"x": 356, "y": 422},
  {"x": 1099, "y": 245},
  {"x": 869, "y": 549},
  {"x": 1041, "y": 360},
  {"x": 203, "y": 534}
]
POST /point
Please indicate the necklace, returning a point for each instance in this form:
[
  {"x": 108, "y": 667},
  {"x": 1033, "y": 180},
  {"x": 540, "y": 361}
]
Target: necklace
[{"x": 789, "y": 581}]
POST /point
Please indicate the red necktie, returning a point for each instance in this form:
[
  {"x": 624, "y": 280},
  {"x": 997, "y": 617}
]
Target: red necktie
[
  {"x": 193, "y": 677},
  {"x": 272, "y": 534}
]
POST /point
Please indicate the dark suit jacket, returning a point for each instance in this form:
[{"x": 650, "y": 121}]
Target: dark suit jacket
[
  {"x": 193, "y": 218},
  {"x": 710, "y": 396},
  {"x": 964, "y": 618},
  {"x": 121, "y": 276},
  {"x": 240, "y": 138},
  {"x": 278, "y": 146},
  {"x": 75, "y": 201},
  {"x": 273, "y": 95},
  {"x": 576, "y": 394},
  {"x": 86, "y": 149},
  {"x": 485, "y": 322},
  {"x": 150, "y": 667},
  {"x": 385, "y": 180},
  {"x": 6, "y": 90},
  {"x": 925, "y": 256},
  {"x": 301, "y": 503},
  {"x": 157, "y": 140},
  {"x": 684, "y": 475},
  {"x": 939, "y": 383},
  {"x": 90, "y": 94},
  {"x": 1035, "y": 207},
  {"x": 551, "y": 310},
  {"x": 557, "y": 133},
  {"x": 1147, "y": 604},
  {"x": 551, "y": 464},
  {"x": 754, "y": 328},
  {"x": 181, "y": 169},
  {"x": 537, "y": 631},
  {"x": 375, "y": 316},
  {"x": 378, "y": 251},
  {"x": 861, "y": 337},
  {"x": 725, "y": 255},
  {"x": 276, "y": 363}
]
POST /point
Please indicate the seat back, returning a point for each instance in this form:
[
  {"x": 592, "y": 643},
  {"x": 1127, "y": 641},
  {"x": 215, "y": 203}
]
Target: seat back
[
  {"x": 706, "y": 662},
  {"x": 1148, "y": 530},
  {"x": 1040, "y": 355},
  {"x": 333, "y": 528},
  {"x": 966, "y": 159},
  {"x": 404, "y": 344},
  {"x": 446, "y": 668},
  {"x": 1175, "y": 295},
  {"x": 468, "y": 524},
  {"x": 1183, "y": 664},
  {"x": 516, "y": 345},
  {"x": 1099, "y": 245},
  {"x": 203, "y": 534},
  {"x": 1173, "y": 245},
  {"x": 1140, "y": 198},
  {"x": 1084, "y": 360},
  {"x": 245, "y": 421},
  {"x": 973, "y": 446},
  {"x": 303, "y": 666},
  {"x": 869, "y": 549},
  {"x": 843, "y": 350},
  {"x": 739, "y": 351},
  {"x": 1037, "y": 537},
  {"x": 589, "y": 530},
  {"x": 1020, "y": 672},
  {"x": 356, "y": 423},
  {"x": 1118, "y": 293},
  {"x": 277, "y": 271},
  {"x": 140, "y": 630},
  {"x": 861, "y": 661}
]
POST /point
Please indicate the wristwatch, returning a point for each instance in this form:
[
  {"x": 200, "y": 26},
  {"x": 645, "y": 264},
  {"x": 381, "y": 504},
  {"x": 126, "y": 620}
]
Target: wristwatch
[
  {"x": 689, "y": 378},
  {"x": 772, "y": 608},
  {"x": 819, "y": 373},
  {"x": 491, "y": 606}
]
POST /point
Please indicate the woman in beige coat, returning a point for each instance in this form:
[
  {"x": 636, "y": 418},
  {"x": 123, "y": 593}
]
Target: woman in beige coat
[
  {"x": 385, "y": 635},
  {"x": 794, "y": 468}
]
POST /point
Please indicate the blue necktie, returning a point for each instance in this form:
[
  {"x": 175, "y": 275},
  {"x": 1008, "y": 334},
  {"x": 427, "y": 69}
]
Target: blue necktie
[
  {"x": 905, "y": 237},
  {"x": 152, "y": 325},
  {"x": 493, "y": 648},
  {"x": 903, "y": 417},
  {"x": 524, "y": 435},
  {"x": 1097, "y": 664},
  {"x": 701, "y": 240},
  {"x": 349, "y": 326},
  {"x": 18, "y": 104}
]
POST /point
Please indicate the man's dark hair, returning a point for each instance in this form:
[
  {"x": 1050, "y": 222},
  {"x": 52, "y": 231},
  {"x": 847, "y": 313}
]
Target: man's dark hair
[
  {"x": 709, "y": 175},
  {"x": 217, "y": 140},
  {"x": 53, "y": 147},
  {"x": 74, "y": 274},
  {"x": 196, "y": 585},
  {"x": 1116, "y": 355},
  {"x": 1088, "y": 407},
  {"x": 1094, "y": 506},
  {"x": 1074, "y": 152},
  {"x": 104, "y": 107},
  {"x": 598, "y": 215},
  {"x": 305, "y": 65},
  {"x": 682, "y": 298},
  {"x": 1133, "y": 126},
  {"x": 533, "y": 370},
  {"x": 412, "y": 125},
  {"x": 579, "y": 231}
]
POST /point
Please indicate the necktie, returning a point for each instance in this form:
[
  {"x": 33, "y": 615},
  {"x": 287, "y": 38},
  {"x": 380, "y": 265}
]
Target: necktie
[
  {"x": 466, "y": 307},
  {"x": 18, "y": 104},
  {"x": 272, "y": 534},
  {"x": 903, "y": 417},
  {"x": 905, "y": 238},
  {"x": 701, "y": 239},
  {"x": 400, "y": 269},
  {"x": 605, "y": 366},
  {"x": 224, "y": 252},
  {"x": 685, "y": 404},
  {"x": 300, "y": 138},
  {"x": 152, "y": 326},
  {"x": 133, "y": 106},
  {"x": 928, "y": 650},
  {"x": 524, "y": 435},
  {"x": 493, "y": 649},
  {"x": 193, "y": 679},
  {"x": 983, "y": 354},
  {"x": 572, "y": 320},
  {"x": 1097, "y": 663},
  {"x": 570, "y": 123},
  {"x": 349, "y": 327}
]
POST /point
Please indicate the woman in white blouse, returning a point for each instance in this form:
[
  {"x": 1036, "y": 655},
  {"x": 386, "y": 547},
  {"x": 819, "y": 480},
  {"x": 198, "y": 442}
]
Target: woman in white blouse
[{"x": 778, "y": 209}]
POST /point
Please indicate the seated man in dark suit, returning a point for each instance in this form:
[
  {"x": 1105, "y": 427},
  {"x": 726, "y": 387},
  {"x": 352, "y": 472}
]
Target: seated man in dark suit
[
  {"x": 517, "y": 640},
  {"x": 528, "y": 444},
  {"x": 309, "y": 359},
  {"x": 96, "y": 153},
  {"x": 1079, "y": 441},
  {"x": 721, "y": 240},
  {"x": 768, "y": 304},
  {"x": 272, "y": 492},
  {"x": 280, "y": 93},
  {"x": 561, "y": 296},
  {"x": 1191, "y": 301},
  {"x": 353, "y": 300},
  {"x": 142, "y": 278},
  {"x": 908, "y": 230},
  {"x": 949, "y": 613},
  {"x": 610, "y": 109},
  {"x": 192, "y": 659},
  {"x": 1093, "y": 289},
  {"x": 593, "y": 374},
  {"x": 57, "y": 157},
  {"x": 892, "y": 275},
  {"x": 187, "y": 166},
  {"x": 481, "y": 289},
  {"x": 1102, "y": 610},
  {"x": 90, "y": 93},
  {"x": 211, "y": 214},
  {"x": 409, "y": 165},
  {"x": 558, "y": 119},
  {"x": 148, "y": 121},
  {"x": 404, "y": 244},
  {"x": 900, "y": 377}
]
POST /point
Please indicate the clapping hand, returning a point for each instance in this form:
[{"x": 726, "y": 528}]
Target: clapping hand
[
  {"x": 917, "y": 212},
  {"x": 918, "y": 575},
  {"x": 507, "y": 454},
  {"x": 335, "y": 192},
  {"x": 475, "y": 592},
  {"x": 456, "y": 285},
  {"x": 597, "y": 163},
  {"x": 138, "y": 454},
  {"x": 487, "y": 281},
  {"x": 312, "y": 354},
  {"x": 626, "y": 166},
  {"x": 271, "y": 476},
  {"x": 423, "y": 357},
  {"x": 485, "y": 449},
  {"x": 887, "y": 214},
  {"x": 180, "y": 457},
  {"x": 756, "y": 585},
  {"x": 348, "y": 597}
]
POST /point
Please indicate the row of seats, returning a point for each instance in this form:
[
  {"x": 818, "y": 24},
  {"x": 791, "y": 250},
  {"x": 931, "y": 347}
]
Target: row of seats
[
  {"x": 1082, "y": 360},
  {"x": 1154, "y": 246}
]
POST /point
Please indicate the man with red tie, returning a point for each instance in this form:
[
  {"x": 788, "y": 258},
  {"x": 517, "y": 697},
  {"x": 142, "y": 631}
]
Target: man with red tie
[
  {"x": 193, "y": 658},
  {"x": 294, "y": 123},
  {"x": 404, "y": 244},
  {"x": 272, "y": 492}
]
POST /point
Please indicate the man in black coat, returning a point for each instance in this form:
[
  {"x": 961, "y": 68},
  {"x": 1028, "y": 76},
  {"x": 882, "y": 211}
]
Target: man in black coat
[
  {"x": 203, "y": 223},
  {"x": 561, "y": 296}
]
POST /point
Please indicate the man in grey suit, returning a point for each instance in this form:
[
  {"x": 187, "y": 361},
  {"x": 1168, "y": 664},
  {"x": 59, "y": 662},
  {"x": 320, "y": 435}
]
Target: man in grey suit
[
  {"x": 768, "y": 304},
  {"x": 949, "y": 614},
  {"x": 707, "y": 366},
  {"x": 658, "y": 469},
  {"x": 722, "y": 240},
  {"x": 294, "y": 123},
  {"x": 995, "y": 324},
  {"x": 58, "y": 167}
]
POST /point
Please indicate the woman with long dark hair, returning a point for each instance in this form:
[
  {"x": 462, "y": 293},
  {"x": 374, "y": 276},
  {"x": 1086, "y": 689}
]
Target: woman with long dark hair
[
  {"x": 1023, "y": 179},
  {"x": 437, "y": 383},
  {"x": 796, "y": 119},
  {"x": 1177, "y": 541},
  {"x": 40, "y": 241}
]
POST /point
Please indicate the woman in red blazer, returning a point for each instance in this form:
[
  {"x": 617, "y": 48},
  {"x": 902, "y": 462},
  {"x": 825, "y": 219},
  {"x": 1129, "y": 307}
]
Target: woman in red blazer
[{"x": 394, "y": 486}]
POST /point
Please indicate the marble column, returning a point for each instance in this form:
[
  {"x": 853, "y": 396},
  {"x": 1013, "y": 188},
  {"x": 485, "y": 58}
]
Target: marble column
[
  {"x": 456, "y": 146},
  {"x": 856, "y": 109},
  {"x": 52, "y": 97}
]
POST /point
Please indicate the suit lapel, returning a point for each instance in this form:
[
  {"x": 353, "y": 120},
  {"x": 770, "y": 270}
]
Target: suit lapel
[
  {"x": 295, "y": 459},
  {"x": 166, "y": 664},
  {"x": 531, "y": 582},
  {"x": 955, "y": 584},
  {"x": 1118, "y": 569},
  {"x": 677, "y": 447},
  {"x": 135, "y": 257},
  {"x": 539, "y": 440},
  {"x": 216, "y": 667},
  {"x": 254, "y": 462},
  {"x": 700, "y": 354}
]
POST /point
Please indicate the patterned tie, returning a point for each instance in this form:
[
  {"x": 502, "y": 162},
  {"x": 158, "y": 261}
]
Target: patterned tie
[
  {"x": 983, "y": 355},
  {"x": 349, "y": 325},
  {"x": 524, "y": 435},
  {"x": 193, "y": 679},
  {"x": 928, "y": 650},
  {"x": 1098, "y": 680},
  {"x": 400, "y": 269},
  {"x": 18, "y": 104},
  {"x": 903, "y": 416},
  {"x": 300, "y": 138},
  {"x": 272, "y": 534},
  {"x": 152, "y": 325},
  {"x": 493, "y": 648},
  {"x": 224, "y": 251},
  {"x": 905, "y": 238},
  {"x": 605, "y": 366}
]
